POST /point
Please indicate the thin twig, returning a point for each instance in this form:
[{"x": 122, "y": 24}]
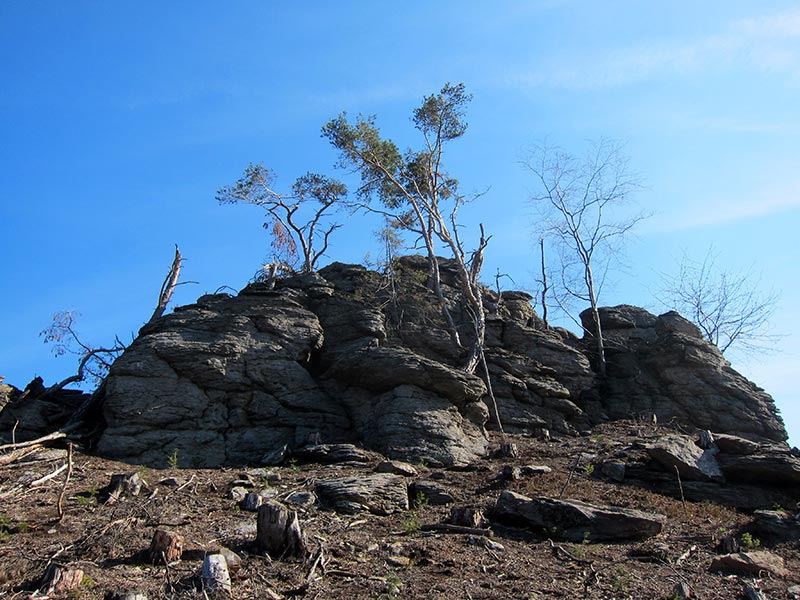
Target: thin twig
[
  {"x": 449, "y": 528},
  {"x": 47, "y": 477},
  {"x": 680, "y": 486},
  {"x": 59, "y": 504},
  {"x": 569, "y": 477}
]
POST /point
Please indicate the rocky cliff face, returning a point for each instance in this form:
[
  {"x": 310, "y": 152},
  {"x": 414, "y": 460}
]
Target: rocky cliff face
[
  {"x": 663, "y": 366},
  {"x": 351, "y": 355}
]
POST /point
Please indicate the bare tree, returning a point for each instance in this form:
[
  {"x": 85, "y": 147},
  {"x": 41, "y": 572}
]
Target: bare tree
[
  {"x": 727, "y": 306},
  {"x": 418, "y": 195},
  {"x": 94, "y": 361},
  {"x": 300, "y": 218},
  {"x": 168, "y": 287},
  {"x": 579, "y": 198}
]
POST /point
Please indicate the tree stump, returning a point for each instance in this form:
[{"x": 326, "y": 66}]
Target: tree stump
[
  {"x": 682, "y": 591},
  {"x": 706, "y": 439},
  {"x": 278, "y": 532},
  {"x": 252, "y": 502},
  {"x": 121, "y": 484},
  {"x": 60, "y": 580},
  {"x": 166, "y": 545},
  {"x": 508, "y": 450},
  {"x": 728, "y": 545},
  {"x": 215, "y": 575},
  {"x": 466, "y": 516}
]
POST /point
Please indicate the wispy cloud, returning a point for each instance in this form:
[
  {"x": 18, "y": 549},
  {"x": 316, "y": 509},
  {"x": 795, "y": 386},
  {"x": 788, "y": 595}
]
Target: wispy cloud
[
  {"x": 716, "y": 212},
  {"x": 768, "y": 43}
]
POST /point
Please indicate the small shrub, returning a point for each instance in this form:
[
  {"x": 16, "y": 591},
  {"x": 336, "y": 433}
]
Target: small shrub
[
  {"x": 413, "y": 523},
  {"x": 750, "y": 542},
  {"x": 172, "y": 459}
]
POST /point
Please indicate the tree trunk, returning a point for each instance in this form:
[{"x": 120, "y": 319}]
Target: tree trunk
[
  {"x": 168, "y": 287},
  {"x": 598, "y": 330},
  {"x": 544, "y": 286}
]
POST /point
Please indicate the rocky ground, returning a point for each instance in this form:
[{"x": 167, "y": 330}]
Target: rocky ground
[{"x": 397, "y": 554}]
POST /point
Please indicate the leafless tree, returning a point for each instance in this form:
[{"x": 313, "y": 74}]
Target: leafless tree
[
  {"x": 580, "y": 199},
  {"x": 728, "y": 306},
  {"x": 168, "y": 287},
  {"x": 94, "y": 361},
  {"x": 300, "y": 218},
  {"x": 418, "y": 195}
]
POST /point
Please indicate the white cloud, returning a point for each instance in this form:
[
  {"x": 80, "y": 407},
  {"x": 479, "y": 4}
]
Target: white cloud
[
  {"x": 763, "y": 44},
  {"x": 715, "y": 212}
]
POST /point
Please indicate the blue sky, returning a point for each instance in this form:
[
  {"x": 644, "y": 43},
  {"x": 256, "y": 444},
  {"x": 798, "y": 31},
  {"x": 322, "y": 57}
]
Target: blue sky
[{"x": 120, "y": 120}]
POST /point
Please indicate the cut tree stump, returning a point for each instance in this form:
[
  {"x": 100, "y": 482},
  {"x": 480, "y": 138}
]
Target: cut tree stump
[
  {"x": 278, "y": 532},
  {"x": 124, "y": 484},
  {"x": 508, "y": 450},
  {"x": 166, "y": 545},
  {"x": 466, "y": 516},
  {"x": 60, "y": 580}
]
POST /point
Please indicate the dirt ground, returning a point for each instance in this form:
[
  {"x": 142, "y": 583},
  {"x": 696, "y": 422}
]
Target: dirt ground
[{"x": 364, "y": 555}]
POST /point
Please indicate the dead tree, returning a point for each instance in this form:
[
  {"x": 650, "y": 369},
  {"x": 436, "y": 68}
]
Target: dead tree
[
  {"x": 577, "y": 200},
  {"x": 168, "y": 287},
  {"x": 728, "y": 306}
]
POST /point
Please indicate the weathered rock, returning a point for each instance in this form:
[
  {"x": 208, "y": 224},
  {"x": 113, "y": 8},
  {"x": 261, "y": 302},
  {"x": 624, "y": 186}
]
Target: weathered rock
[
  {"x": 679, "y": 451},
  {"x": 770, "y": 468},
  {"x": 754, "y": 563},
  {"x": 215, "y": 575},
  {"x": 576, "y": 521},
  {"x": 301, "y": 498},
  {"x": 614, "y": 470},
  {"x": 333, "y": 453},
  {"x": 433, "y": 493},
  {"x": 378, "y": 493},
  {"x": 733, "y": 444},
  {"x": 31, "y": 414},
  {"x": 337, "y": 357},
  {"x": 776, "y": 526},
  {"x": 410, "y": 423},
  {"x": 663, "y": 366},
  {"x": 397, "y": 467}
]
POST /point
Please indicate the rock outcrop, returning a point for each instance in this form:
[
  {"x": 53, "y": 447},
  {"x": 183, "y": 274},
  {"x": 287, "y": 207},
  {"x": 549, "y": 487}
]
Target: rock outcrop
[
  {"x": 352, "y": 356},
  {"x": 662, "y": 366}
]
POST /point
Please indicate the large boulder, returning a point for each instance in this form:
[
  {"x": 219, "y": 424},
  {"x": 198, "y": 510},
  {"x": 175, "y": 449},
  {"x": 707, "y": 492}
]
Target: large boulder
[
  {"x": 577, "y": 521},
  {"x": 235, "y": 379},
  {"x": 378, "y": 493},
  {"x": 663, "y": 366}
]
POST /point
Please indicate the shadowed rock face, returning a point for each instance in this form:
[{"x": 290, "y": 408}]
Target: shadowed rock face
[
  {"x": 663, "y": 366},
  {"x": 347, "y": 355}
]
